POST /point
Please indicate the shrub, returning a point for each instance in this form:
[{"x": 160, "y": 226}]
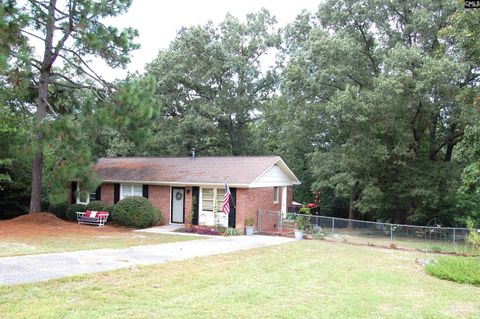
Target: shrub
[
  {"x": 302, "y": 222},
  {"x": 459, "y": 269},
  {"x": 59, "y": 210},
  {"x": 157, "y": 216},
  {"x": 72, "y": 211},
  {"x": 135, "y": 212},
  {"x": 304, "y": 210},
  {"x": 249, "y": 221},
  {"x": 231, "y": 232},
  {"x": 9, "y": 214},
  {"x": 473, "y": 239}
]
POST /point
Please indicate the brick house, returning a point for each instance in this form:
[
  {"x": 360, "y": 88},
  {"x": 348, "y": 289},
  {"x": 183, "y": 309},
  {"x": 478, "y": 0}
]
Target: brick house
[{"x": 184, "y": 185}]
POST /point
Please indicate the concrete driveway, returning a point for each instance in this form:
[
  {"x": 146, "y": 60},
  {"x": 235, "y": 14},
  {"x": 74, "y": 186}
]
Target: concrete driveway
[{"x": 34, "y": 268}]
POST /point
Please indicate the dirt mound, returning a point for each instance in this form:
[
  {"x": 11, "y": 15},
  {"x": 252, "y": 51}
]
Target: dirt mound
[
  {"x": 37, "y": 218},
  {"x": 40, "y": 225}
]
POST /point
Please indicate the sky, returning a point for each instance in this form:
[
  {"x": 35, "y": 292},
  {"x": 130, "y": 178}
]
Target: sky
[{"x": 159, "y": 21}]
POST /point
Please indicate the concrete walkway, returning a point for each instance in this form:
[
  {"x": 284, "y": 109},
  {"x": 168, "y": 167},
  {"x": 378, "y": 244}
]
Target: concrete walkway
[{"x": 34, "y": 268}]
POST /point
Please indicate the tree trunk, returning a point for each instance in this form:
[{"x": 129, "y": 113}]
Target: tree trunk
[
  {"x": 450, "y": 143},
  {"x": 37, "y": 166},
  {"x": 352, "y": 212},
  {"x": 42, "y": 103}
]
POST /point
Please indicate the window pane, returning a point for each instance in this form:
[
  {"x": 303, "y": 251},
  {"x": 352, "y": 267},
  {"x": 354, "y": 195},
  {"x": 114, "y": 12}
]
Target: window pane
[
  {"x": 207, "y": 199},
  {"x": 126, "y": 190},
  {"x": 82, "y": 197},
  {"x": 275, "y": 194},
  {"x": 220, "y": 193},
  {"x": 138, "y": 190}
]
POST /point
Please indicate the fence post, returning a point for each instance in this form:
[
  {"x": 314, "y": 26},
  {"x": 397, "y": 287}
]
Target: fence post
[
  {"x": 333, "y": 226},
  {"x": 454, "y": 237},
  {"x": 391, "y": 233}
]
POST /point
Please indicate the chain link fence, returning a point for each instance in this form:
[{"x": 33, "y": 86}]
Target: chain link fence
[{"x": 438, "y": 239}]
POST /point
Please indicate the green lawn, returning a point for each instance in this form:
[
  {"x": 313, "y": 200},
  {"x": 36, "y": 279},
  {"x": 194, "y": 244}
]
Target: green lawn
[
  {"x": 406, "y": 243},
  {"x": 308, "y": 279},
  {"x": 15, "y": 246}
]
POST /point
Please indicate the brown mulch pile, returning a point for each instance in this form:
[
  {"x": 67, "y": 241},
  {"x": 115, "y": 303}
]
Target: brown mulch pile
[{"x": 46, "y": 224}]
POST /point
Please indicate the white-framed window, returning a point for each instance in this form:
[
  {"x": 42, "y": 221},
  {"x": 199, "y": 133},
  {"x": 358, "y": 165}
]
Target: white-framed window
[
  {"x": 127, "y": 190},
  {"x": 211, "y": 198},
  {"x": 83, "y": 197},
  {"x": 275, "y": 194}
]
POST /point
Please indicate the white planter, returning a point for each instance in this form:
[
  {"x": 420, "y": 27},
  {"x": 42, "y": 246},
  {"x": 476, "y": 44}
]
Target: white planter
[
  {"x": 298, "y": 234},
  {"x": 249, "y": 230}
]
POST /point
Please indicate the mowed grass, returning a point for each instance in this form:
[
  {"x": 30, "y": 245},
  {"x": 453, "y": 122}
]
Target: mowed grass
[
  {"x": 62, "y": 242},
  {"x": 308, "y": 279}
]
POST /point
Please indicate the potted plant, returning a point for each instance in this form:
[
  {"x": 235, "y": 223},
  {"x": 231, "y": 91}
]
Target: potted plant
[
  {"x": 249, "y": 222},
  {"x": 302, "y": 224}
]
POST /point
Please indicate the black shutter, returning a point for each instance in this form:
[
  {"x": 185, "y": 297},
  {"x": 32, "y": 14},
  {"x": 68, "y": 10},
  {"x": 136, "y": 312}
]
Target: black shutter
[
  {"x": 98, "y": 193},
  {"x": 73, "y": 195},
  {"x": 116, "y": 193},
  {"x": 196, "y": 197},
  {"x": 145, "y": 191},
  {"x": 233, "y": 208}
]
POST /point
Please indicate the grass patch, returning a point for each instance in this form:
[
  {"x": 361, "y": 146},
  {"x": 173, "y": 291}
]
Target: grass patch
[
  {"x": 308, "y": 279},
  {"x": 465, "y": 270},
  {"x": 63, "y": 242}
]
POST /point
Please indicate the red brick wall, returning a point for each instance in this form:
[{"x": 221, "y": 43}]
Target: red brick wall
[
  {"x": 159, "y": 196},
  {"x": 289, "y": 196},
  {"x": 249, "y": 200},
  {"x": 106, "y": 194}
]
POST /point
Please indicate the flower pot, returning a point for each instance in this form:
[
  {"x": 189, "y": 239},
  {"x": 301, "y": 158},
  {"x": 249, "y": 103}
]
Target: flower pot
[
  {"x": 298, "y": 234},
  {"x": 249, "y": 230}
]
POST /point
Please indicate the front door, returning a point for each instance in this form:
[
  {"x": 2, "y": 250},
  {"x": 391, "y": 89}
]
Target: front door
[{"x": 178, "y": 205}]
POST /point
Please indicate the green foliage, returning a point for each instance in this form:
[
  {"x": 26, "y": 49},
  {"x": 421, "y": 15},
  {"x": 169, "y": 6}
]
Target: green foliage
[
  {"x": 61, "y": 82},
  {"x": 376, "y": 116},
  {"x": 157, "y": 216},
  {"x": 72, "y": 211},
  {"x": 302, "y": 222},
  {"x": 220, "y": 229},
  {"x": 209, "y": 85},
  {"x": 333, "y": 205},
  {"x": 59, "y": 209},
  {"x": 465, "y": 270},
  {"x": 135, "y": 212},
  {"x": 468, "y": 194},
  {"x": 473, "y": 239},
  {"x": 249, "y": 221},
  {"x": 231, "y": 232},
  {"x": 304, "y": 210}
]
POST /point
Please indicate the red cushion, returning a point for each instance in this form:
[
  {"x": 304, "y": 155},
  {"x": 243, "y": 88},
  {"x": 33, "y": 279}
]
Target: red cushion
[
  {"x": 102, "y": 213},
  {"x": 87, "y": 213}
]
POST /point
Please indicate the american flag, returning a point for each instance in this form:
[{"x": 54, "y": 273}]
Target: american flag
[{"x": 226, "y": 200}]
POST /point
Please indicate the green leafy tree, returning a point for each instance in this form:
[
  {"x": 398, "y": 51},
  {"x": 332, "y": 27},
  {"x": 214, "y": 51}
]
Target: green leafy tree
[
  {"x": 70, "y": 32},
  {"x": 385, "y": 92},
  {"x": 463, "y": 33},
  {"x": 211, "y": 85}
]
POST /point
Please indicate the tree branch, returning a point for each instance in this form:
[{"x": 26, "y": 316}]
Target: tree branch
[{"x": 67, "y": 33}]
